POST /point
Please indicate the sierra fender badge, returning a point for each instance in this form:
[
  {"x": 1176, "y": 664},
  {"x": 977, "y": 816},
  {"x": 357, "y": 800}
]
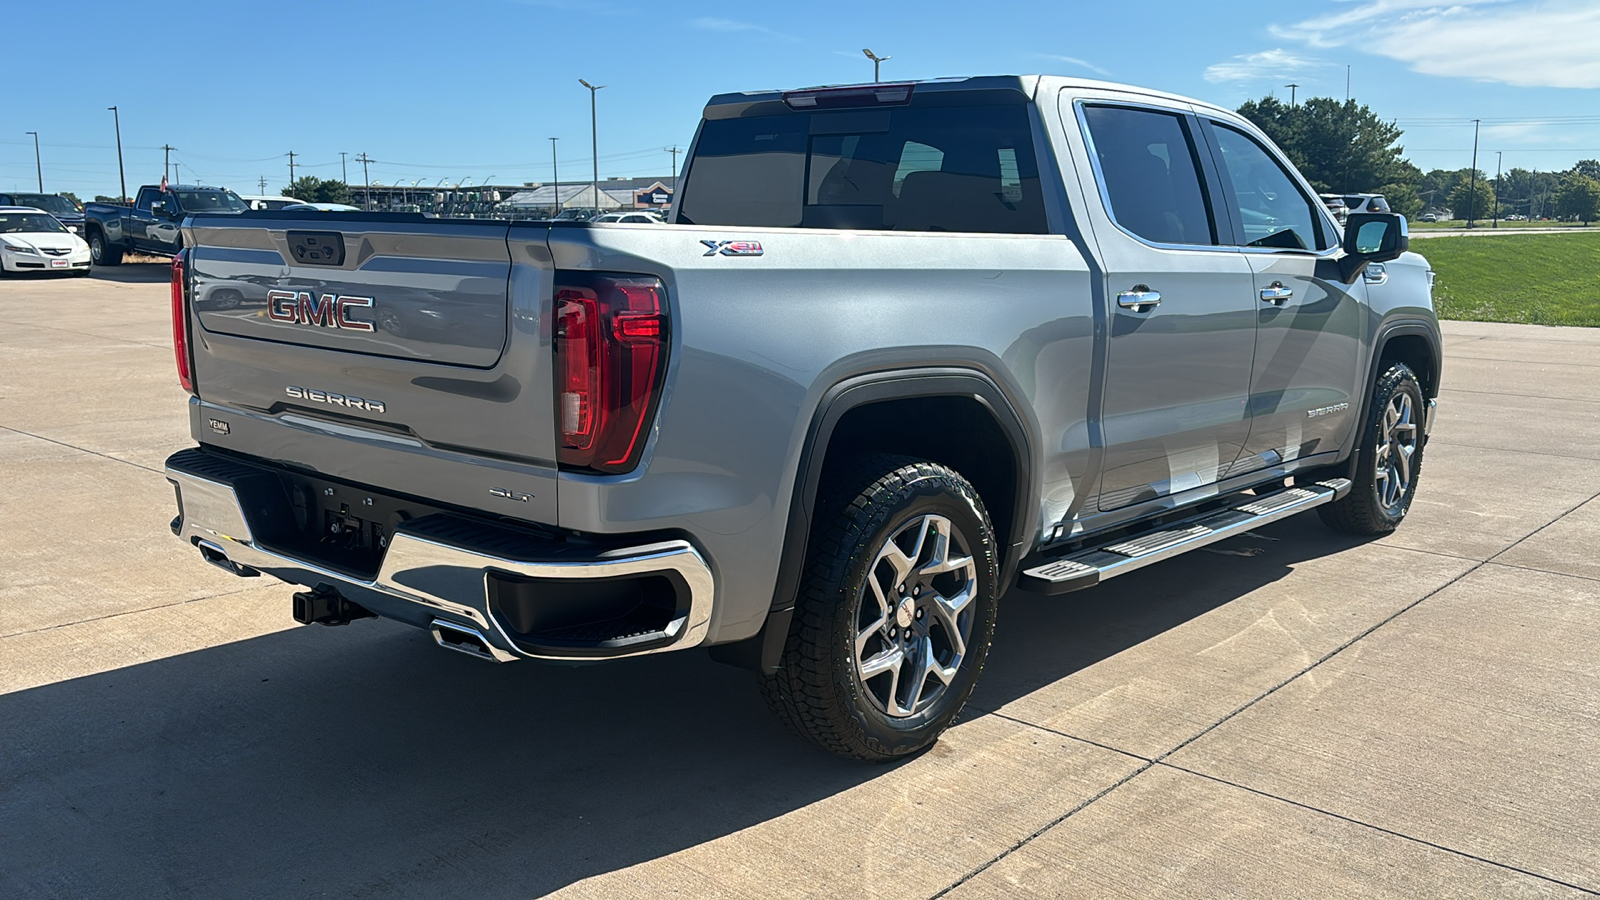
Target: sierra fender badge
[
  {"x": 733, "y": 248},
  {"x": 518, "y": 496}
]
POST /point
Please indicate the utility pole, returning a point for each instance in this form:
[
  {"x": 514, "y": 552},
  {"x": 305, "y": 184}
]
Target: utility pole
[
  {"x": 344, "y": 171},
  {"x": 37, "y": 166},
  {"x": 262, "y": 182},
  {"x": 291, "y": 170},
  {"x": 1291, "y": 88},
  {"x": 1497, "y": 155},
  {"x": 121, "y": 176},
  {"x": 166, "y": 158},
  {"x": 366, "y": 196},
  {"x": 876, "y": 61},
  {"x": 674, "y": 151},
  {"x": 1472, "y": 184},
  {"x": 1347, "y": 84},
  {"x": 555, "y": 173},
  {"x": 594, "y": 137}
]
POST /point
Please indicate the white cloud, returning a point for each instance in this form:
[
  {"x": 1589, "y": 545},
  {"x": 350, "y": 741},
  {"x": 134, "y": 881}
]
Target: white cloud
[
  {"x": 1275, "y": 64},
  {"x": 730, "y": 26},
  {"x": 1527, "y": 43},
  {"x": 1073, "y": 60}
]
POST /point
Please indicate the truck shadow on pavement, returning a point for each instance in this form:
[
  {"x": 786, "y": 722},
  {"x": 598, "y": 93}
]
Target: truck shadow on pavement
[
  {"x": 364, "y": 760},
  {"x": 141, "y": 270}
]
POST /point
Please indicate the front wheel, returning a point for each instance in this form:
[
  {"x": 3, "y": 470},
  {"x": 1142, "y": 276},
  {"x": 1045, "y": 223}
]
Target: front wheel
[
  {"x": 102, "y": 253},
  {"x": 1390, "y": 458},
  {"x": 895, "y": 615}
]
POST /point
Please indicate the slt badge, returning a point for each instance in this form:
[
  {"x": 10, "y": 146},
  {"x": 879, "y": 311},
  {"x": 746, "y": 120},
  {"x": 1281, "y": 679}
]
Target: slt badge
[{"x": 733, "y": 248}]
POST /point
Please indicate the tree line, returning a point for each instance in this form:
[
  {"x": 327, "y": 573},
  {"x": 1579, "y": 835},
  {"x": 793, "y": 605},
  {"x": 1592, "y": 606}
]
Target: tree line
[{"x": 1344, "y": 147}]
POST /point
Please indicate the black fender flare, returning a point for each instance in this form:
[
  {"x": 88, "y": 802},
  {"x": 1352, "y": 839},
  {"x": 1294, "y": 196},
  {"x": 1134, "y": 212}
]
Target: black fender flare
[
  {"x": 762, "y": 652},
  {"x": 1386, "y": 332}
]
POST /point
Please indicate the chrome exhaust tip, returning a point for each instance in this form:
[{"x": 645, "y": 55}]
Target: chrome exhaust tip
[{"x": 466, "y": 640}]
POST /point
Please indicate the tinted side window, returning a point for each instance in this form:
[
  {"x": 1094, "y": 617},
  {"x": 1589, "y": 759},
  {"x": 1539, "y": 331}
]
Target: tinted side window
[
  {"x": 1271, "y": 207},
  {"x": 958, "y": 168},
  {"x": 1150, "y": 174},
  {"x": 147, "y": 196}
]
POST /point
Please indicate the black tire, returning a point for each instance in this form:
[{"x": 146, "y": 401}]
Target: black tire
[
  {"x": 102, "y": 253},
  {"x": 820, "y": 690},
  {"x": 1366, "y": 510}
]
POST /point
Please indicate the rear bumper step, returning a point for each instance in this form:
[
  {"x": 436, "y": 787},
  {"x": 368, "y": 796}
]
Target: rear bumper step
[
  {"x": 480, "y": 588},
  {"x": 1087, "y": 568}
]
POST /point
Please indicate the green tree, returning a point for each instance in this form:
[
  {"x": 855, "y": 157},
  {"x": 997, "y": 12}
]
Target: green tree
[
  {"x": 1472, "y": 200},
  {"x": 1578, "y": 198},
  {"x": 106, "y": 198},
  {"x": 1338, "y": 145},
  {"x": 312, "y": 189},
  {"x": 1403, "y": 199},
  {"x": 1524, "y": 191},
  {"x": 1589, "y": 168}
]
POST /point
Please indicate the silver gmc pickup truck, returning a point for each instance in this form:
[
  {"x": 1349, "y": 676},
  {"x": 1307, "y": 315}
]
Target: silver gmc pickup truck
[{"x": 902, "y": 348}]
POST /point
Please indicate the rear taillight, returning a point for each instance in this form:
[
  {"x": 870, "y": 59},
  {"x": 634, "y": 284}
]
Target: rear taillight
[
  {"x": 611, "y": 355},
  {"x": 180, "y": 326}
]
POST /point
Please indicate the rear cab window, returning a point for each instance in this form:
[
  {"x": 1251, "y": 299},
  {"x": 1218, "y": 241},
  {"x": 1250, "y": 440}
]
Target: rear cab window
[{"x": 962, "y": 167}]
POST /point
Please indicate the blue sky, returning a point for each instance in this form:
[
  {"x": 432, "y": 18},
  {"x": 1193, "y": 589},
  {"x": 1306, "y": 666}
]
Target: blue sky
[{"x": 473, "y": 89}]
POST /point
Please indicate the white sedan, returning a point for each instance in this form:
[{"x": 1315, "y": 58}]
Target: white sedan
[{"x": 32, "y": 240}]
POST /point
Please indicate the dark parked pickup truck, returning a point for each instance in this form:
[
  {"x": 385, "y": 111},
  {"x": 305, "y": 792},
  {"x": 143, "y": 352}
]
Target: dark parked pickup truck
[
  {"x": 65, "y": 211},
  {"x": 151, "y": 225},
  {"x": 901, "y": 349}
]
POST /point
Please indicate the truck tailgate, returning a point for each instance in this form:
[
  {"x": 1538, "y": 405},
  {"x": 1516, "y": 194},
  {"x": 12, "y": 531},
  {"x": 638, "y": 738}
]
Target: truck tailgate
[{"x": 422, "y": 336}]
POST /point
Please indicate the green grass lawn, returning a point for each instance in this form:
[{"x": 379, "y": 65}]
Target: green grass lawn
[
  {"x": 1538, "y": 279},
  {"x": 1488, "y": 224}
]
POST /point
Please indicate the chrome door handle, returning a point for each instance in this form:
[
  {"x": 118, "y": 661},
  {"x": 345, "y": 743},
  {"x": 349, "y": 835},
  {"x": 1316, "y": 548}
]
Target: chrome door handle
[
  {"x": 1276, "y": 294},
  {"x": 1140, "y": 299}
]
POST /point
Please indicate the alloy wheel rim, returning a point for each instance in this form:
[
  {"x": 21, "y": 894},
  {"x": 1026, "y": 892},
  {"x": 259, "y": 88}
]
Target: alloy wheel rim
[
  {"x": 914, "y": 616},
  {"x": 1397, "y": 451}
]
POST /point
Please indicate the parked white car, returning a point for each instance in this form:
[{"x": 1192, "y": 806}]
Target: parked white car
[
  {"x": 633, "y": 218},
  {"x": 32, "y": 240},
  {"x": 267, "y": 202}
]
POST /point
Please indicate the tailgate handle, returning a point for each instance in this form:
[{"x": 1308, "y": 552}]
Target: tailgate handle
[{"x": 317, "y": 248}]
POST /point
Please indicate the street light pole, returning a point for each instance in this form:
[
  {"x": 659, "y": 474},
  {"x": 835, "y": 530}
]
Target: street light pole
[
  {"x": 1291, "y": 88},
  {"x": 555, "y": 174},
  {"x": 1472, "y": 183},
  {"x": 121, "y": 176},
  {"x": 38, "y": 166},
  {"x": 594, "y": 137},
  {"x": 876, "y": 61},
  {"x": 344, "y": 170},
  {"x": 1497, "y": 155}
]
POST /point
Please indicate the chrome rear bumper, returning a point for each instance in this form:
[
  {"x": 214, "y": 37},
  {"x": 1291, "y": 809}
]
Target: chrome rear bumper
[{"x": 442, "y": 575}]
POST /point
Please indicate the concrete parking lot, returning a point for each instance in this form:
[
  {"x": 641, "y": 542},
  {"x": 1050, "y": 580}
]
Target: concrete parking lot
[{"x": 1290, "y": 714}]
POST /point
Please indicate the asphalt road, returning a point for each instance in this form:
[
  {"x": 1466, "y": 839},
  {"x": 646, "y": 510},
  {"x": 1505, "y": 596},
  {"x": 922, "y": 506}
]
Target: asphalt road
[{"x": 1292, "y": 714}]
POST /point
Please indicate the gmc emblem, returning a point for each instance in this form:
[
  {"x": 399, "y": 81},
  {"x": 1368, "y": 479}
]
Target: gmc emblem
[{"x": 330, "y": 311}]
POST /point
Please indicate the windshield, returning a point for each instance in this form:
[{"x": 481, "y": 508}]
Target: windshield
[
  {"x": 211, "y": 201},
  {"x": 23, "y": 223},
  {"x": 54, "y": 203}
]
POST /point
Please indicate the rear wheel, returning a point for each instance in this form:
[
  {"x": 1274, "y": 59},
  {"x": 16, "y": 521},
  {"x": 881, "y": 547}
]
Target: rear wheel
[
  {"x": 1390, "y": 460},
  {"x": 101, "y": 253},
  {"x": 895, "y": 614}
]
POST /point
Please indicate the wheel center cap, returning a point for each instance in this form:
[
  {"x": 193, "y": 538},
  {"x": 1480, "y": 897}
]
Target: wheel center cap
[{"x": 906, "y": 612}]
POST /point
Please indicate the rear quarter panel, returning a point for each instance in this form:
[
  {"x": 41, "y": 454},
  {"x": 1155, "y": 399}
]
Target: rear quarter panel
[{"x": 758, "y": 340}]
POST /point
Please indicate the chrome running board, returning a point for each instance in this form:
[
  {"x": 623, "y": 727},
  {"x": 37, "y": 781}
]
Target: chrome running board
[{"x": 1088, "y": 567}]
